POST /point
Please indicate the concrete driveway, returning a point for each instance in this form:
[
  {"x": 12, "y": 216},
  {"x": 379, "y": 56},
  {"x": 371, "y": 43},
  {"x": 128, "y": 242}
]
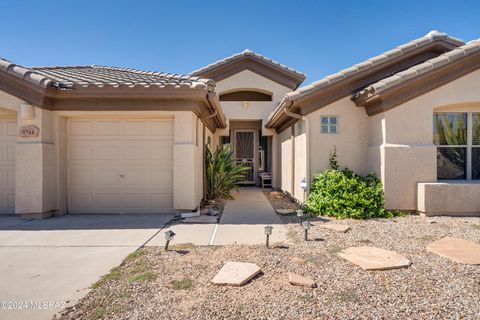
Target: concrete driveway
[{"x": 47, "y": 264}]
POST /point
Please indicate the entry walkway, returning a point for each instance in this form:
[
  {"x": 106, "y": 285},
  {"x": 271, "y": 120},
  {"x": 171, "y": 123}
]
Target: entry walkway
[
  {"x": 244, "y": 219},
  {"x": 243, "y": 222}
]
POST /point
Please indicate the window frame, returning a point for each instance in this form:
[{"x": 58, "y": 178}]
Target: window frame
[
  {"x": 469, "y": 146},
  {"x": 330, "y": 125}
]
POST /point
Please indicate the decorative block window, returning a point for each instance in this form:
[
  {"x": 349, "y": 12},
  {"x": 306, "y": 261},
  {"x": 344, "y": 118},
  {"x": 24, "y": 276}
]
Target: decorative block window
[
  {"x": 457, "y": 137},
  {"x": 329, "y": 124}
]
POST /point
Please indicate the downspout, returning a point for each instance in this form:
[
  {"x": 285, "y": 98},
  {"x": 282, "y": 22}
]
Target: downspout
[
  {"x": 204, "y": 136},
  {"x": 307, "y": 147}
]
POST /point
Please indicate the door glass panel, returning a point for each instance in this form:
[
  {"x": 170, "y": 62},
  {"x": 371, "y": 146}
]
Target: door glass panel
[{"x": 244, "y": 146}]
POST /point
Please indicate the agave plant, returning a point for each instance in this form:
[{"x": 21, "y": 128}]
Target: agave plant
[{"x": 222, "y": 173}]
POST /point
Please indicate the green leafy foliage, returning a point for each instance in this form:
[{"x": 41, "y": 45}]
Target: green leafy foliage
[
  {"x": 222, "y": 173},
  {"x": 344, "y": 194}
]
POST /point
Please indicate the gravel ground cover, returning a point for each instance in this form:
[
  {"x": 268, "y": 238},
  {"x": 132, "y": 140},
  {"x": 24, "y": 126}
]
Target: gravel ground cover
[{"x": 154, "y": 284}]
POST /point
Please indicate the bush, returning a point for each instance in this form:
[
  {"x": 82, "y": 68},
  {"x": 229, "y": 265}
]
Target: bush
[
  {"x": 344, "y": 194},
  {"x": 222, "y": 173}
]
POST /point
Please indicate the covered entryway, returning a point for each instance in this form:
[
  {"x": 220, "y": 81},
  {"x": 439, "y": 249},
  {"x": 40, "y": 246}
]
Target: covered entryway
[
  {"x": 8, "y": 138},
  {"x": 120, "y": 165}
]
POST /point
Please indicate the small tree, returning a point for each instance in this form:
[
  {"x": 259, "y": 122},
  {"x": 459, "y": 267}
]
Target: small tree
[{"x": 222, "y": 173}]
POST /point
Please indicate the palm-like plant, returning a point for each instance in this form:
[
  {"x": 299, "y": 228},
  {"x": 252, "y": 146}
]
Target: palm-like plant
[{"x": 222, "y": 172}]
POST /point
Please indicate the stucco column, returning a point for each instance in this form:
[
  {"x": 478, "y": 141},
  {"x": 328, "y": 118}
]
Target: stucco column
[
  {"x": 185, "y": 162},
  {"x": 36, "y": 164}
]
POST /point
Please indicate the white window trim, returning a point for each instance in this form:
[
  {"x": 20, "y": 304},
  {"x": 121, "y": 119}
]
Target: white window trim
[
  {"x": 329, "y": 125},
  {"x": 468, "y": 146}
]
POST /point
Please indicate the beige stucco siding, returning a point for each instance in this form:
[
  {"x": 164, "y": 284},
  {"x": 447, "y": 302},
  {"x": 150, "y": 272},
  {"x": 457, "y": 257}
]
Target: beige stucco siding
[
  {"x": 410, "y": 156},
  {"x": 285, "y": 142},
  {"x": 351, "y": 141}
]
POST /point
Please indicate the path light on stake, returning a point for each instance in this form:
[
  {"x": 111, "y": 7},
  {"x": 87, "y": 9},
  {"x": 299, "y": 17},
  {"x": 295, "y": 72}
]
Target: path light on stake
[
  {"x": 300, "y": 215},
  {"x": 169, "y": 235},
  {"x": 306, "y": 226},
  {"x": 268, "y": 233}
]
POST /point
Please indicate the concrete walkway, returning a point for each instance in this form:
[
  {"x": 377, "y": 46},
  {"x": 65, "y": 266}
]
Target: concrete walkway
[
  {"x": 243, "y": 222},
  {"x": 244, "y": 219}
]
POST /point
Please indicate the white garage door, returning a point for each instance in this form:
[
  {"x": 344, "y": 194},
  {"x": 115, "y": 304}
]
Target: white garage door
[
  {"x": 120, "y": 166},
  {"x": 8, "y": 138}
]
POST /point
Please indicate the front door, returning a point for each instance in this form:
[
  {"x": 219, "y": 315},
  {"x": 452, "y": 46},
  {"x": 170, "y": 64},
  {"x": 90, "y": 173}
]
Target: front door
[{"x": 245, "y": 153}]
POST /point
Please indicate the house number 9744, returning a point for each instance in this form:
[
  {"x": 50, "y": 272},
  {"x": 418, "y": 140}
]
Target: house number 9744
[{"x": 29, "y": 131}]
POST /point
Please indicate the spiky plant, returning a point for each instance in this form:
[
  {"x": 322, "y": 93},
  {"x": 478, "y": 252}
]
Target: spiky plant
[{"x": 222, "y": 172}]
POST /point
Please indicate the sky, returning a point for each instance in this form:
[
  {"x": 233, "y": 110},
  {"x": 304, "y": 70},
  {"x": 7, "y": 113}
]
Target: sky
[{"x": 315, "y": 37}]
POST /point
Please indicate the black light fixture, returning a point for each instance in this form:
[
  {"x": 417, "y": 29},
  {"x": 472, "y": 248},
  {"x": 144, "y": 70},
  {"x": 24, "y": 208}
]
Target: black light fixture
[
  {"x": 300, "y": 215},
  {"x": 169, "y": 235},
  {"x": 306, "y": 226},
  {"x": 268, "y": 233}
]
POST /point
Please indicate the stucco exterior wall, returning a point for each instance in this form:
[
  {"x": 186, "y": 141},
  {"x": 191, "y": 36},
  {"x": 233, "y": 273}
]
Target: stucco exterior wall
[
  {"x": 410, "y": 155},
  {"x": 449, "y": 198},
  {"x": 351, "y": 141},
  {"x": 256, "y": 110},
  {"x": 285, "y": 153}
]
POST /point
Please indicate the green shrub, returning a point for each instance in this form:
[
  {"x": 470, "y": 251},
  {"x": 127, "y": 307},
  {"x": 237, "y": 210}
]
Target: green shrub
[
  {"x": 222, "y": 173},
  {"x": 344, "y": 194}
]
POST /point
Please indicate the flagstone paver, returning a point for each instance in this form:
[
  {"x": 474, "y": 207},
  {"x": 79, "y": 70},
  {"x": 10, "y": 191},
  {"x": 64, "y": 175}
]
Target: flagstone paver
[
  {"x": 455, "y": 249},
  {"x": 298, "y": 280},
  {"x": 335, "y": 227},
  {"x": 372, "y": 258},
  {"x": 285, "y": 211},
  {"x": 236, "y": 273}
]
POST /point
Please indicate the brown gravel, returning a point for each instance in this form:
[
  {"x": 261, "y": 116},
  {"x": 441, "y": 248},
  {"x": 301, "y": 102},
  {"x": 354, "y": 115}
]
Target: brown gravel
[{"x": 179, "y": 287}]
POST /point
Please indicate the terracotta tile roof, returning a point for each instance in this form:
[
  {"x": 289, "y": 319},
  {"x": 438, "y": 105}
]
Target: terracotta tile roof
[
  {"x": 361, "y": 67},
  {"x": 24, "y": 73},
  {"x": 372, "y": 62},
  {"x": 420, "y": 69},
  {"x": 248, "y": 52},
  {"x": 100, "y": 76}
]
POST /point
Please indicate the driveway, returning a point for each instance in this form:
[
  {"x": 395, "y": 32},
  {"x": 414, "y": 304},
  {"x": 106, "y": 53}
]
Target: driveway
[{"x": 46, "y": 264}]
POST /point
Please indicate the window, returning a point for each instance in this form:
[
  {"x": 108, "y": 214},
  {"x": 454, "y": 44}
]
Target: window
[
  {"x": 457, "y": 137},
  {"x": 329, "y": 124},
  {"x": 245, "y": 96}
]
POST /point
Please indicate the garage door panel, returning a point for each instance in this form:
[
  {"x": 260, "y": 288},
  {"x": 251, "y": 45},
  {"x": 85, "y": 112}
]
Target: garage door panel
[
  {"x": 107, "y": 152},
  {"x": 125, "y": 169},
  {"x": 8, "y": 138},
  {"x": 162, "y": 201},
  {"x": 135, "y": 128},
  {"x": 80, "y": 128},
  {"x": 107, "y": 128},
  {"x": 80, "y": 177},
  {"x": 80, "y": 152}
]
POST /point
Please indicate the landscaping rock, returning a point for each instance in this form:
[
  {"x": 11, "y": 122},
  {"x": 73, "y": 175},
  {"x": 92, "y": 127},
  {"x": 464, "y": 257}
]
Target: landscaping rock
[
  {"x": 335, "y": 227},
  {"x": 455, "y": 249},
  {"x": 285, "y": 211},
  {"x": 297, "y": 280},
  {"x": 236, "y": 273},
  {"x": 371, "y": 258}
]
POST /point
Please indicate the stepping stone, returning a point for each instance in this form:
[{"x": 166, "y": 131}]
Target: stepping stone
[
  {"x": 297, "y": 280},
  {"x": 236, "y": 273},
  {"x": 458, "y": 250},
  {"x": 285, "y": 211},
  {"x": 201, "y": 219},
  {"x": 335, "y": 227},
  {"x": 371, "y": 258}
]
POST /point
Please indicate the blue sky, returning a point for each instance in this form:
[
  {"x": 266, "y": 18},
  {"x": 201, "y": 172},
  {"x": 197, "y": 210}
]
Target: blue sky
[{"x": 315, "y": 37}]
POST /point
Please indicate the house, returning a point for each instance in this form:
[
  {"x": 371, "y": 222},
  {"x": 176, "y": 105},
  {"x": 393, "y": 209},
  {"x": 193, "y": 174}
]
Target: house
[{"x": 96, "y": 139}]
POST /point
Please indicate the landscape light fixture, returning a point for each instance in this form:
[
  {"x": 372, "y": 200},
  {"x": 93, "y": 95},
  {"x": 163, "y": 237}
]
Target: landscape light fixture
[
  {"x": 300, "y": 215},
  {"x": 306, "y": 226},
  {"x": 268, "y": 233},
  {"x": 169, "y": 235}
]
